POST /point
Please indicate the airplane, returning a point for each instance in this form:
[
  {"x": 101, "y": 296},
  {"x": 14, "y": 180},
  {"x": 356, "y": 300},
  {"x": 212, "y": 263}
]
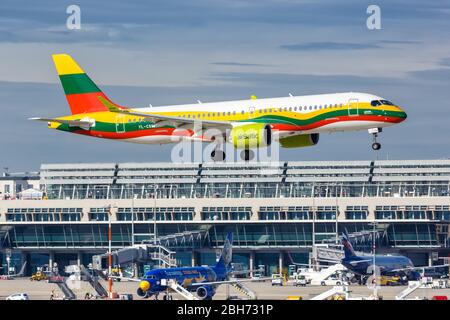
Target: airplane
[
  {"x": 294, "y": 121},
  {"x": 388, "y": 265},
  {"x": 201, "y": 280}
]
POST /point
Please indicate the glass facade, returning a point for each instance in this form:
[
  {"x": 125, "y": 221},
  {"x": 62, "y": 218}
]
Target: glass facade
[
  {"x": 43, "y": 214},
  {"x": 270, "y": 208},
  {"x": 250, "y": 190},
  {"x": 162, "y": 214},
  {"x": 255, "y": 180}
]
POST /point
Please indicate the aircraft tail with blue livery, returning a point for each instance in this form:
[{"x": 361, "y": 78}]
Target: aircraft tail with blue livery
[
  {"x": 348, "y": 248},
  {"x": 223, "y": 266}
]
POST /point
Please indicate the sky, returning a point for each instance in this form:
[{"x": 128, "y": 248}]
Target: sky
[{"x": 175, "y": 52}]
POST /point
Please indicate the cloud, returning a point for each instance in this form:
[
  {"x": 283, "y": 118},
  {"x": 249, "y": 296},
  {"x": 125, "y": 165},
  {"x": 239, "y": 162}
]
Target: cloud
[
  {"x": 317, "y": 46},
  {"x": 239, "y": 64},
  {"x": 445, "y": 62},
  {"x": 399, "y": 42},
  {"x": 438, "y": 76},
  {"x": 170, "y": 52}
]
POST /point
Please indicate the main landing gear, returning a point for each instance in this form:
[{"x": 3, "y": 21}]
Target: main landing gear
[
  {"x": 217, "y": 155},
  {"x": 375, "y": 145},
  {"x": 247, "y": 154}
]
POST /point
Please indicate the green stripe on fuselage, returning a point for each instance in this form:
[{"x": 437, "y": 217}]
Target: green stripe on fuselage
[
  {"x": 271, "y": 118},
  {"x": 145, "y": 125},
  {"x": 113, "y": 127}
]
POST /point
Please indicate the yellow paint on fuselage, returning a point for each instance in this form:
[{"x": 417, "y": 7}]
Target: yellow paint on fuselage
[{"x": 111, "y": 117}]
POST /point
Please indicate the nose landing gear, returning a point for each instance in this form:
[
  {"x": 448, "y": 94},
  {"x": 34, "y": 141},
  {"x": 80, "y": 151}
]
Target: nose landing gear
[{"x": 375, "y": 145}]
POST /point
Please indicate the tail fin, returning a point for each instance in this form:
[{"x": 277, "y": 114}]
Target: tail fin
[
  {"x": 226, "y": 255},
  {"x": 348, "y": 248},
  {"x": 81, "y": 92}
]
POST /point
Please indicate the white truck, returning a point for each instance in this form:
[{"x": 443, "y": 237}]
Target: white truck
[
  {"x": 300, "y": 280},
  {"x": 277, "y": 279}
]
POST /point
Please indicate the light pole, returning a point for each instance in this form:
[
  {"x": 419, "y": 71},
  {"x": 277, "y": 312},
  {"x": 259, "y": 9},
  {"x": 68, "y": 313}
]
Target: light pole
[
  {"x": 375, "y": 275},
  {"x": 155, "y": 194},
  {"x": 132, "y": 219},
  {"x": 337, "y": 215},
  {"x": 314, "y": 231},
  {"x": 110, "y": 280},
  {"x": 8, "y": 261}
]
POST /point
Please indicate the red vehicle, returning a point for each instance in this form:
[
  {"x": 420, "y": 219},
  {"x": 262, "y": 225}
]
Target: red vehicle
[
  {"x": 439, "y": 298},
  {"x": 55, "y": 279}
]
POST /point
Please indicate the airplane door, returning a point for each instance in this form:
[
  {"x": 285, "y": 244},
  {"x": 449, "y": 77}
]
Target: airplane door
[
  {"x": 353, "y": 107},
  {"x": 120, "y": 124}
]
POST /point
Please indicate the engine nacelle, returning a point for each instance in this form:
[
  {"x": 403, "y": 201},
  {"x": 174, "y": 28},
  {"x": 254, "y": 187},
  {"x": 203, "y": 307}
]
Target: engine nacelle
[
  {"x": 250, "y": 136},
  {"x": 141, "y": 293},
  {"x": 299, "y": 141},
  {"x": 205, "y": 292}
]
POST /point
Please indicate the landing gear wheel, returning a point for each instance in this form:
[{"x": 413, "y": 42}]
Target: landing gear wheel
[
  {"x": 247, "y": 155},
  {"x": 217, "y": 155},
  {"x": 376, "y": 146},
  {"x": 167, "y": 296}
]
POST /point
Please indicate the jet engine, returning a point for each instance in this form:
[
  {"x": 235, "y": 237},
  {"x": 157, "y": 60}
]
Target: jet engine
[
  {"x": 250, "y": 136},
  {"x": 205, "y": 292},
  {"x": 299, "y": 141}
]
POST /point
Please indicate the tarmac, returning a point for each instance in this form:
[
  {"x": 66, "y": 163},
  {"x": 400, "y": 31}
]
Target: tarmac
[{"x": 41, "y": 290}]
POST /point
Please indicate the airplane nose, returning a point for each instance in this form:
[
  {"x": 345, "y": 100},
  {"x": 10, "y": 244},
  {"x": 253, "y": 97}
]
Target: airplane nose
[
  {"x": 144, "y": 285},
  {"x": 402, "y": 115}
]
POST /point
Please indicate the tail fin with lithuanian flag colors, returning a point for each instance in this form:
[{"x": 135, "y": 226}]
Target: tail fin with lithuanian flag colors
[{"x": 82, "y": 93}]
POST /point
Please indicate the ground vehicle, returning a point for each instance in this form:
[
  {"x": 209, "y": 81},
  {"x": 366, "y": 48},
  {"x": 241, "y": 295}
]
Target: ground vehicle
[
  {"x": 333, "y": 281},
  {"x": 389, "y": 281},
  {"x": 277, "y": 279},
  {"x": 18, "y": 296},
  {"x": 257, "y": 276},
  {"x": 38, "y": 276},
  {"x": 300, "y": 281},
  {"x": 117, "y": 272}
]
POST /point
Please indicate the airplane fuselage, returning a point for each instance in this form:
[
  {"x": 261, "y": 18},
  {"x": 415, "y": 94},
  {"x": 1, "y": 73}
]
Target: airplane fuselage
[
  {"x": 311, "y": 114},
  {"x": 189, "y": 278},
  {"x": 387, "y": 265}
]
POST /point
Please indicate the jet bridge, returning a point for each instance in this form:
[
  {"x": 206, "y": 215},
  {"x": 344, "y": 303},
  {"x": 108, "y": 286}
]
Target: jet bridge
[{"x": 136, "y": 254}]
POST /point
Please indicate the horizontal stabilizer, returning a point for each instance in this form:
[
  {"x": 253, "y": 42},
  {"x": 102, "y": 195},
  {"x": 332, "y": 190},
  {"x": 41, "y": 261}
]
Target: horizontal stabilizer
[{"x": 83, "y": 124}]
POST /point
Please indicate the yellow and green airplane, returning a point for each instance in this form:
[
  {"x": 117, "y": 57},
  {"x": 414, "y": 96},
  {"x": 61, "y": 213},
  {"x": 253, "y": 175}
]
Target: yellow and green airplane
[{"x": 293, "y": 121}]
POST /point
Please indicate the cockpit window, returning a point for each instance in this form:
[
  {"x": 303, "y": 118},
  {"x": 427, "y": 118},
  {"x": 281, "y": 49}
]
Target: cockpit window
[
  {"x": 386, "y": 102},
  {"x": 375, "y": 103}
]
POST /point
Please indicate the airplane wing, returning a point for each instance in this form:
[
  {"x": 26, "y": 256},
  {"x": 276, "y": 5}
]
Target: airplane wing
[
  {"x": 229, "y": 281},
  {"x": 126, "y": 278},
  {"x": 359, "y": 261},
  {"x": 420, "y": 268},
  {"x": 176, "y": 121},
  {"x": 83, "y": 124}
]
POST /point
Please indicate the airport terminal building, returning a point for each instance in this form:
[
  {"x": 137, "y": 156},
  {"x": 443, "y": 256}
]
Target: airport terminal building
[{"x": 276, "y": 211}]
